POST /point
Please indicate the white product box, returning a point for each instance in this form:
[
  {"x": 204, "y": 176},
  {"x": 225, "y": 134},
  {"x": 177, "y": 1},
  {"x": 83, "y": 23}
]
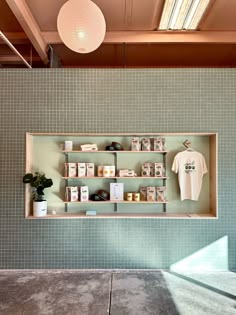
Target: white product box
[
  {"x": 68, "y": 145},
  {"x": 72, "y": 170},
  {"x": 90, "y": 169},
  {"x": 127, "y": 173},
  {"x": 157, "y": 144},
  {"x": 89, "y": 147},
  {"x": 81, "y": 169},
  {"x": 72, "y": 193},
  {"x": 159, "y": 170},
  {"x": 146, "y": 169},
  {"x": 116, "y": 191},
  {"x": 161, "y": 194},
  {"x": 84, "y": 193},
  {"x": 151, "y": 193},
  {"x": 135, "y": 144}
]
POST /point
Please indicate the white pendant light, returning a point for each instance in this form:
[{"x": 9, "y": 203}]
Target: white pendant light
[{"x": 81, "y": 25}]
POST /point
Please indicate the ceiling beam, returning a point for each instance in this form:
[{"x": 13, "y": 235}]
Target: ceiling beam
[
  {"x": 16, "y": 59},
  {"x": 16, "y": 38},
  {"x": 197, "y": 37},
  {"x": 30, "y": 26},
  {"x": 12, "y": 47}
]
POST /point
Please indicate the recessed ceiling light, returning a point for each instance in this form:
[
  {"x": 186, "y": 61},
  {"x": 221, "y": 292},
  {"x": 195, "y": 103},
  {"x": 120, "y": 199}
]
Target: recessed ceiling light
[
  {"x": 182, "y": 14},
  {"x": 198, "y": 14}
]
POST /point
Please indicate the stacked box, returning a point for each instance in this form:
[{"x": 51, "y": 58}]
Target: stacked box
[
  {"x": 143, "y": 193},
  {"x": 135, "y": 144},
  {"x": 163, "y": 144},
  {"x": 161, "y": 194},
  {"x": 152, "y": 170},
  {"x": 159, "y": 170},
  {"x": 70, "y": 169},
  {"x": 81, "y": 169},
  {"x": 151, "y": 193},
  {"x": 157, "y": 144},
  {"x": 90, "y": 169},
  {"x": 84, "y": 193},
  {"x": 72, "y": 193},
  {"x": 146, "y": 144},
  {"x": 146, "y": 169}
]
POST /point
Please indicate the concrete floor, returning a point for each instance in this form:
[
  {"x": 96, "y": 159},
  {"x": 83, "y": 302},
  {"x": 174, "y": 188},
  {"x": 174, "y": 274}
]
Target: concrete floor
[{"x": 116, "y": 293}]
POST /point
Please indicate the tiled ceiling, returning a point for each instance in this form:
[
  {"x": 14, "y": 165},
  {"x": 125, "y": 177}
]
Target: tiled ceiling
[{"x": 132, "y": 38}]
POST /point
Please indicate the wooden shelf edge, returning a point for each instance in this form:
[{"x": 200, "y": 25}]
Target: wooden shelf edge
[
  {"x": 132, "y": 134},
  {"x": 126, "y": 216},
  {"x": 106, "y": 151},
  {"x": 115, "y": 201},
  {"x": 115, "y": 177}
]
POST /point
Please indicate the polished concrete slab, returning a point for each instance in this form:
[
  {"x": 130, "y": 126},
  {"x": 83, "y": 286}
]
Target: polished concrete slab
[
  {"x": 141, "y": 293},
  {"x": 116, "y": 293},
  {"x": 54, "y": 293}
]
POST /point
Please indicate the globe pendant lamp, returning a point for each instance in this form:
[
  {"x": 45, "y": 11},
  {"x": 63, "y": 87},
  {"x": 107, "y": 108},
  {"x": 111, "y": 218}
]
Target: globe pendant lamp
[{"x": 81, "y": 25}]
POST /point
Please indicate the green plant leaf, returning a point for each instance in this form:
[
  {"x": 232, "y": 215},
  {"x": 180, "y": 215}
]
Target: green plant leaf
[
  {"x": 38, "y": 182},
  {"x": 28, "y": 178}
]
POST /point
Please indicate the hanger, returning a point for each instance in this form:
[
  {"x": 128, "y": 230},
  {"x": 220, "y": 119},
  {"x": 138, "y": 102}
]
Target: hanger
[{"x": 187, "y": 145}]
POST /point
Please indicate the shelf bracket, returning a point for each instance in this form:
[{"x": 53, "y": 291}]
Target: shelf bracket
[{"x": 164, "y": 181}]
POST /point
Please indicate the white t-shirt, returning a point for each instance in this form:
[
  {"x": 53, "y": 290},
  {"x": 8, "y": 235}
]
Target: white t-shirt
[{"x": 190, "y": 166}]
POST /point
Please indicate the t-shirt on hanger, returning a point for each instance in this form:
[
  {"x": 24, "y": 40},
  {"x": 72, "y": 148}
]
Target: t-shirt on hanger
[{"x": 190, "y": 166}]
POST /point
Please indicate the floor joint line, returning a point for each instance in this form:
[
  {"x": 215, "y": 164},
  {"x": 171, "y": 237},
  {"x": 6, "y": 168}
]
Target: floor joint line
[{"x": 110, "y": 295}]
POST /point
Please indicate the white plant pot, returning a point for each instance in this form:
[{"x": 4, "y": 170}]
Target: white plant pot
[{"x": 40, "y": 208}]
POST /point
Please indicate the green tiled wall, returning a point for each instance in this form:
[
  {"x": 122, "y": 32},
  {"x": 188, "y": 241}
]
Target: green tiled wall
[{"x": 91, "y": 100}]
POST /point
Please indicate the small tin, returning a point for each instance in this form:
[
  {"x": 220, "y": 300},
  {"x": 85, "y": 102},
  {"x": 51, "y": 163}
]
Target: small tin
[
  {"x": 100, "y": 171},
  {"x": 106, "y": 171},
  {"x": 136, "y": 196},
  {"x": 129, "y": 196},
  {"x": 112, "y": 171}
]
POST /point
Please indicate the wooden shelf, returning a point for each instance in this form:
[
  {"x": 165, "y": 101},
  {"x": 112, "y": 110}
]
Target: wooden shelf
[
  {"x": 115, "y": 177},
  {"x": 126, "y": 215},
  {"x": 116, "y": 201},
  {"x": 106, "y": 151}
]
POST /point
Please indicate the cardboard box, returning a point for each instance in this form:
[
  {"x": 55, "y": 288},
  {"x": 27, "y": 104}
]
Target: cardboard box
[
  {"x": 90, "y": 169},
  {"x": 72, "y": 193},
  {"x": 159, "y": 170},
  {"x": 84, "y": 193},
  {"x": 72, "y": 170},
  {"x": 151, "y": 193},
  {"x": 135, "y": 144},
  {"x": 116, "y": 191},
  {"x": 81, "y": 169}
]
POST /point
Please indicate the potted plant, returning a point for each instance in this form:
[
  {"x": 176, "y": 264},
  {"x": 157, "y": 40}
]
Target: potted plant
[{"x": 38, "y": 182}]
